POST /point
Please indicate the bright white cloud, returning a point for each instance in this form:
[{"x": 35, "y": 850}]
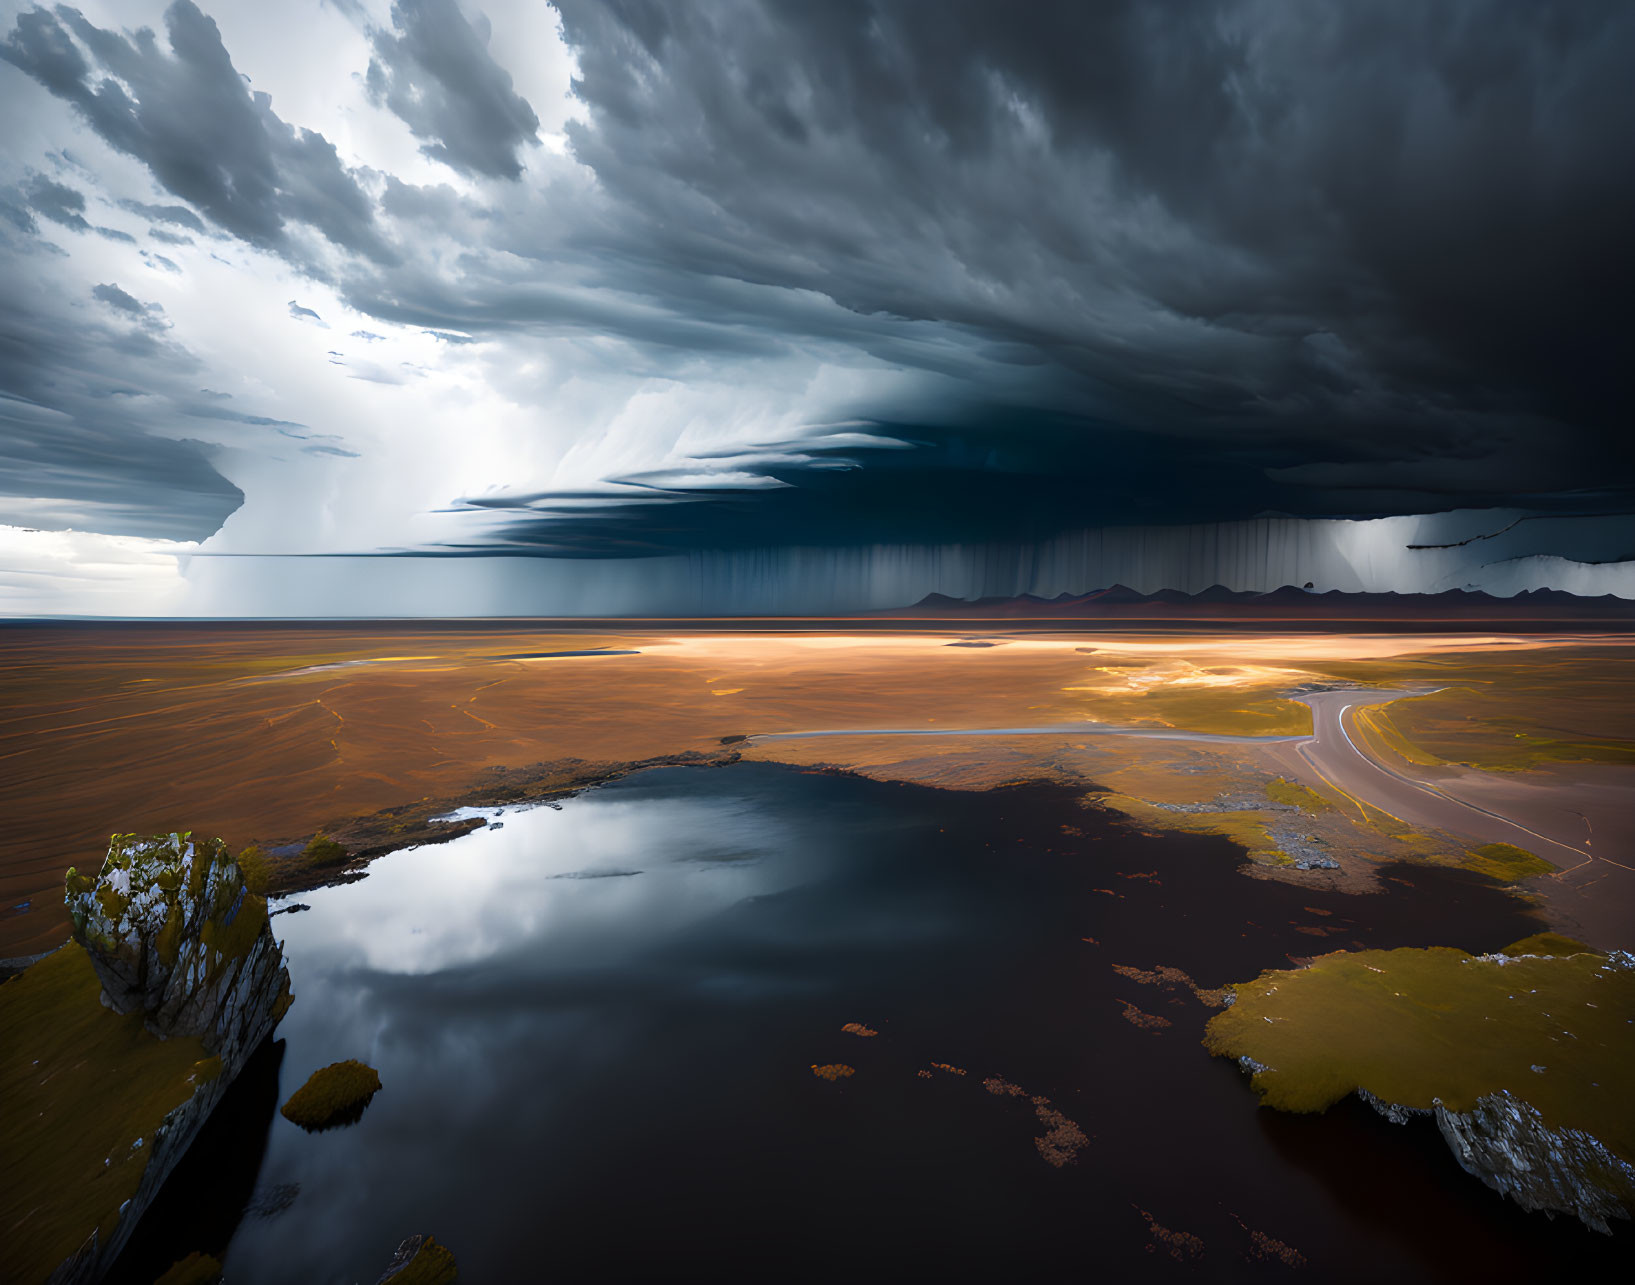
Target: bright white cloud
[{"x": 81, "y": 573}]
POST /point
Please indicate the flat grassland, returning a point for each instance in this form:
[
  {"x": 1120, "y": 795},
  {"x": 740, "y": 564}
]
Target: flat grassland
[
  {"x": 270, "y": 734},
  {"x": 81, "y": 1091}
]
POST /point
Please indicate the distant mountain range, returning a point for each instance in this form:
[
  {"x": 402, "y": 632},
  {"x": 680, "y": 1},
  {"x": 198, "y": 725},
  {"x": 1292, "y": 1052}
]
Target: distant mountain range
[{"x": 1219, "y": 603}]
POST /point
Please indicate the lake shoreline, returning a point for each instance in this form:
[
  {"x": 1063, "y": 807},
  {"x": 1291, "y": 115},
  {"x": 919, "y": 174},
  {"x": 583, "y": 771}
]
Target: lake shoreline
[{"x": 1040, "y": 966}]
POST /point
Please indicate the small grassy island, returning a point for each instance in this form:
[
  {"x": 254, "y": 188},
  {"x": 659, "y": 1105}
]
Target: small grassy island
[
  {"x": 333, "y": 1095},
  {"x": 1525, "y": 1058}
]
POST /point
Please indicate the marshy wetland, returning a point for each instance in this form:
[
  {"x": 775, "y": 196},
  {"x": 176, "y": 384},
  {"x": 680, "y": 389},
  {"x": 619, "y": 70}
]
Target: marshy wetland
[{"x": 671, "y": 943}]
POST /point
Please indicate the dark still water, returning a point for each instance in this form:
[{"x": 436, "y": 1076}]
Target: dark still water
[{"x": 596, "y": 1027}]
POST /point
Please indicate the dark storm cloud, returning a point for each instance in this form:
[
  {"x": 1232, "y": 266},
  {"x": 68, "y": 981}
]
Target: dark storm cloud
[
  {"x": 106, "y": 479},
  {"x": 17, "y": 214},
  {"x": 434, "y": 71},
  {"x": 984, "y": 474},
  {"x": 490, "y": 299},
  {"x": 1128, "y": 263},
  {"x": 85, "y": 396},
  {"x": 189, "y": 116},
  {"x": 58, "y": 202},
  {"x": 125, "y": 302},
  {"x": 179, "y": 215},
  {"x": 951, "y": 485},
  {"x": 1380, "y": 251}
]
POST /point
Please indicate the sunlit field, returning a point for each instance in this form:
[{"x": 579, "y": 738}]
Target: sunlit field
[{"x": 273, "y": 734}]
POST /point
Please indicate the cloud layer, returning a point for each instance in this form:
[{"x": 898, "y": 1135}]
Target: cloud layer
[
  {"x": 435, "y": 73},
  {"x": 1375, "y": 251},
  {"x": 448, "y": 276}
]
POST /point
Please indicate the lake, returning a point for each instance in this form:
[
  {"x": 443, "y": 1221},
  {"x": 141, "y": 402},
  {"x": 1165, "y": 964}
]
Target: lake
[{"x": 596, "y": 1023}]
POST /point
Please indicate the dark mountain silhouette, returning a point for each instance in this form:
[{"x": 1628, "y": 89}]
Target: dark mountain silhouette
[{"x": 1290, "y": 602}]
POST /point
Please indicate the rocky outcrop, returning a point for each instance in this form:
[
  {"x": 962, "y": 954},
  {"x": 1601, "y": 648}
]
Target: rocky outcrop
[
  {"x": 420, "y": 1260},
  {"x": 1506, "y": 1144},
  {"x": 1524, "y": 1058},
  {"x": 176, "y": 932}
]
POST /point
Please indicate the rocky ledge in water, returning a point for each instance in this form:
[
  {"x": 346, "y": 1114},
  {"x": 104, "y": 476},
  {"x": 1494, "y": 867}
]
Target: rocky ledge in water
[
  {"x": 1525, "y": 1059},
  {"x": 420, "y": 1260},
  {"x": 178, "y": 936}
]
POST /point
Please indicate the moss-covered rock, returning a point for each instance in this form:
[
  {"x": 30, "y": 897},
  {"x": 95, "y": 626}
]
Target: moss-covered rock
[
  {"x": 333, "y": 1095},
  {"x": 175, "y": 932},
  {"x": 322, "y": 853},
  {"x": 257, "y": 870},
  {"x": 420, "y": 1260}
]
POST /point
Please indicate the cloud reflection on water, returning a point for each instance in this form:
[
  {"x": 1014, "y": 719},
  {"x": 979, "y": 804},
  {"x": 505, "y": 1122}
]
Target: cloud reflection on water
[{"x": 546, "y": 881}]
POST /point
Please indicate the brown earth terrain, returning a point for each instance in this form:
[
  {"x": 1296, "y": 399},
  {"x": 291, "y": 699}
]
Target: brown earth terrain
[{"x": 271, "y": 734}]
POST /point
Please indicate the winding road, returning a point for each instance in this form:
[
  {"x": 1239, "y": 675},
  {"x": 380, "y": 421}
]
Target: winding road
[
  {"x": 1352, "y": 768},
  {"x": 1337, "y": 757}
]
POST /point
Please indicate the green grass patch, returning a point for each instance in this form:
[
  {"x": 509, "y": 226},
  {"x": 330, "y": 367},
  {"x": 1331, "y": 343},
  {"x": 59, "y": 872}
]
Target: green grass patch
[
  {"x": 1374, "y": 722},
  {"x": 1547, "y": 944},
  {"x": 1505, "y": 739},
  {"x": 322, "y": 852},
  {"x": 79, "y": 1085},
  {"x": 1296, "y": 795},
  {"x": 1505, "y": 862},
  {"x": 1220, "y": 711},
  {"x": 1544, "y": 749},
  {"x": 333, "y": 1095},
  {"x": 1418, "y": 1027},
  {"x": 257, "y": 872}
]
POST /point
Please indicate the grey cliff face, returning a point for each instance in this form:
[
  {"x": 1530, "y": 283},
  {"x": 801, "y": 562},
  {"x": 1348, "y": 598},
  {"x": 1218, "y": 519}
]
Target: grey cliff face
[
  {"x": 1505, "y": 1142},
  {"x": 175, "y": 932}
]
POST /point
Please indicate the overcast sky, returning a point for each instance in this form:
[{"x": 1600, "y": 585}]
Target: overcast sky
[{"x": 659, "y": 278}]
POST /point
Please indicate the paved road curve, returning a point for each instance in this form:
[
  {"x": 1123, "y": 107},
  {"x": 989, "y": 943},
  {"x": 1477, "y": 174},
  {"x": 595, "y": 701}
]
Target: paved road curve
[
  {"x": 1341, "y": 759},
  {"x": 1335, "y": 757}
]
